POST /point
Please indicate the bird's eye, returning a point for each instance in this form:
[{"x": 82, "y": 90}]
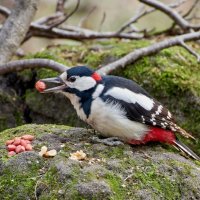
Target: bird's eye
[{"x": 72, "y": 79}]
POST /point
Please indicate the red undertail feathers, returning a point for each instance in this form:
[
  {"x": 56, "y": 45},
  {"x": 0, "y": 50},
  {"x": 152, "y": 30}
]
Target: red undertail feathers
[
  {"x": 160, "y": 135},
  {"x": 156, "y": 135}
]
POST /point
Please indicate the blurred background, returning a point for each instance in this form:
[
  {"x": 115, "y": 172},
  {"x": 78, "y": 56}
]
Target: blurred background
[{"x": 91, "y": 13}]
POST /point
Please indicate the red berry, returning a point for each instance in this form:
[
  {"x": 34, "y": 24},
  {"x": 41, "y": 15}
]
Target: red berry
[
  {"x": 9, "y": 142},
  {"x": 28, "y": 137},
  {"x": 40, "y": 86},
  {"x": 29, "y": 147},
  {"x": 17, "y": 141},
  {"x": 24, "y": 142},
  {"x": 28, "y": 142},
  {"x": 19, "y": 149},
  {"x": 11, "y": 153},
  {"x": 11, "y": 147}
]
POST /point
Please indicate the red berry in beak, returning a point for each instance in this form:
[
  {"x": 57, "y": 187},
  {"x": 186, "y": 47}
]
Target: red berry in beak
[{"x": 40, "y": 86}]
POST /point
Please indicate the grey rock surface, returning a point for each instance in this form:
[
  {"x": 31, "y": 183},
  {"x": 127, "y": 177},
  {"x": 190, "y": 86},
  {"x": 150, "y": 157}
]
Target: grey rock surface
[{"x": 107, "y": 172}]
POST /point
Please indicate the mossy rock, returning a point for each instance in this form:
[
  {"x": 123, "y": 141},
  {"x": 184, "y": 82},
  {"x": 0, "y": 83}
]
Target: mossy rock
[
  {"x": 10, "y": 113},
  {"x": 108, "y": 172},
  {"x": 171, "y": 76}
]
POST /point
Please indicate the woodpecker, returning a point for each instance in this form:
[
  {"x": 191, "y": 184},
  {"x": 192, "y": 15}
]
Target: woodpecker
[{"x": 118, "y": 107}]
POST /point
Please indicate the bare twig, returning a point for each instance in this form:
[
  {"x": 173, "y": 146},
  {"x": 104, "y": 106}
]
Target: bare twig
[
  {"x": 35, "y": 190},
  {"x": 66, "y": 16},
  {"x": 60, "y": 6},
  {"x": 49, "y": 20},
  {"x": 16, "y": 27},
  {"x": 84, "y": 19},
  {"x": 43, "y": 31},
  {"x": 40, "y": 28},
  {"x": 102, "y": 21},
  {"x": 178, "y": 19},
  {"x": 154, "y": 48},
  {"x": 191, "y": 9},
  {"x": 141, "y": 13},
  {"x": 20, "y": 65},
  {"x": 188, "y": 48},
  {"x": 4, "y": 11},
  {"x": 193, "y": 18}
]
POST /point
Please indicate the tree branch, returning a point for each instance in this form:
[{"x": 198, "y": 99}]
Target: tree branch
[
  {"x": 43, "y": 31},
  {"x": 152, "y": 49},
  {"x": 20, "y": 65},
  {"x": 42, "y": 28},
  {"x": 85, "y": 18},
  {"x": 189, "y": 49},
  {"x": 141, "y": 13},
  {"x": 16, "y": 27},
  {"x": 178, "y": 19},
  {"x": 60, "y": 6},
  {"x": 66, "y": 17},
  {"x": 4, "y": 11},
  {"x": 102, "y": 21},
  {"x": 191, "y": 9}
]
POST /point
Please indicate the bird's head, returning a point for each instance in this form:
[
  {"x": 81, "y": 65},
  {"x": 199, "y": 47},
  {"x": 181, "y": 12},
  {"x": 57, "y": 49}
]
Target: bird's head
[{"x": 74, "y": 80}]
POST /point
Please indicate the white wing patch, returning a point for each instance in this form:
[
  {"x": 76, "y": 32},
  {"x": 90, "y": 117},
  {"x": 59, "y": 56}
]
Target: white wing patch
[
  {"x": 131, "y": 97},
  {"x": 98, "y": 91}
]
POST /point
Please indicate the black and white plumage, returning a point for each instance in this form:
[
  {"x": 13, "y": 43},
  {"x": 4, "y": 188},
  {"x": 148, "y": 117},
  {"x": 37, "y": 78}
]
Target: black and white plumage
[{"x": 116, "y": 106}]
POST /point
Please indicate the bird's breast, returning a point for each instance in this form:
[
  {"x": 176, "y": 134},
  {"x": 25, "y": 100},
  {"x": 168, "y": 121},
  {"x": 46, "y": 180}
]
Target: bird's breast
[{"x": 110, "y": 120}]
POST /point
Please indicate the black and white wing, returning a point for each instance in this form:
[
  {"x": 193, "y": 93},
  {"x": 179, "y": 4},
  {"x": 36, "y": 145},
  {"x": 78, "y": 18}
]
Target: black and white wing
[{"x": 138, "y": 104}]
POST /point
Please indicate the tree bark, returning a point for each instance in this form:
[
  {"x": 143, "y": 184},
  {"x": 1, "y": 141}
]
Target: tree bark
[{"x": 16, "y": 27}]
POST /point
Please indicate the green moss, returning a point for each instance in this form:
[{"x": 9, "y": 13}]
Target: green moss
[
  {"x": 166, "y": 75},
  {"x": 150, "y": 177},
  {"x": 33, "y": 129},
  {"x": 4, "y": 98},
  {"x": 52, "y": 55},
  {"x": 32, "y": 97},
  {"x": 115, "y": 184},
  {"x": 18, "y": 118},
  {"x": 9, "y": 101},
  {"x": 50, "y": 180},
  {"x": 53, "y": 185},
  {"x": 114, "y": 152},
  {"x": 42, "y": 73},
  {"x": 18, "y": 184},
  {"x": 3, "y": 123}
]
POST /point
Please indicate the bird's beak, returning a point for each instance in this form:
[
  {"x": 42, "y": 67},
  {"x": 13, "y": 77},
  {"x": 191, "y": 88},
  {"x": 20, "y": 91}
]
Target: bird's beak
[{"x": 56, "y": 80}]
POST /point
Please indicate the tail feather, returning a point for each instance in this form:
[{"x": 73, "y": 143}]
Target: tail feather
[
  {"x": 175, "y": 128},
  {"x": 182, "y": 147}
]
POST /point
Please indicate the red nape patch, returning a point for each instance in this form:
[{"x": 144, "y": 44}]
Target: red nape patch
[
  {"x": 96, "y": 76},
  {"x": 156, "y": 135}
]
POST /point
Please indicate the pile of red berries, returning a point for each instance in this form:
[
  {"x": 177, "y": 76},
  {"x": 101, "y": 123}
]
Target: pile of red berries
[{"x": 19, "y": 144}]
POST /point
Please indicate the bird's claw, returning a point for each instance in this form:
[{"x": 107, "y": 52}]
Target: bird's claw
[{"x": 111, "y": 141}]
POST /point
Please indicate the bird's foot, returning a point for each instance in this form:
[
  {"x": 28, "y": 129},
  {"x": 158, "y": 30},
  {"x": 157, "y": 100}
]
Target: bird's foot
[
  {"x": 111, "y": 141},
  {"x": 91, "y": 130}
]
